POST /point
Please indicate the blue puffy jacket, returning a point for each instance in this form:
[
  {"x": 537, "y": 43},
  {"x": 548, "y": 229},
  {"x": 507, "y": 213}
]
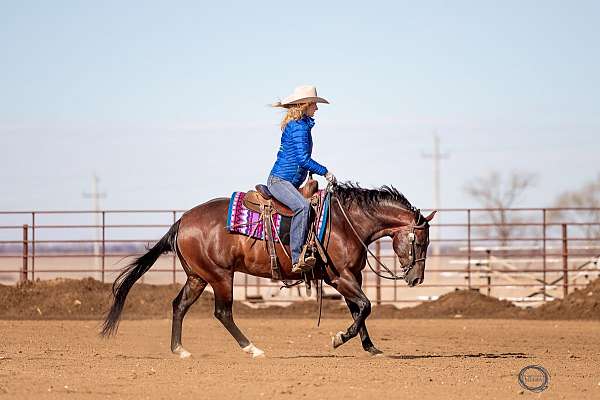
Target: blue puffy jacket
[{"x": 293, "y": 159}]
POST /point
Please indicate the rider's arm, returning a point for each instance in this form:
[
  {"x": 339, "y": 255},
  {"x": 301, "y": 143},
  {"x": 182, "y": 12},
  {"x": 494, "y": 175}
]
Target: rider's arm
[{"x": 301, "y": 145}]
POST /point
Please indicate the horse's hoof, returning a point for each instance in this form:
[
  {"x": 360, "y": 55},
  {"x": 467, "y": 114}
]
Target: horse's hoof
[
  {"x": 183, "y": 353},
  {"x": 254, "y": 351},
  {"x": 337, "y": 340},
  {"x": 375, "y": 352}
]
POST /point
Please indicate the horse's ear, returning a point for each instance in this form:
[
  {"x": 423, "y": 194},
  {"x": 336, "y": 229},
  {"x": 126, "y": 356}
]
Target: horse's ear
[{"x": 430, "y": 216}]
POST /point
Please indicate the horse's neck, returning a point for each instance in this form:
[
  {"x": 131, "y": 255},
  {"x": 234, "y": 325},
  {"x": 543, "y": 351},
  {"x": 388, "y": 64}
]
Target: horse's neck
[{"x": 375, "y": 225}]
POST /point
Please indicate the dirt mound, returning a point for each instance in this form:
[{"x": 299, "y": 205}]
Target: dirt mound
[
  {"x": 580, "y": 304},
  {"x": 86, "y": 299},
  {"x": 457, "y": 304}
]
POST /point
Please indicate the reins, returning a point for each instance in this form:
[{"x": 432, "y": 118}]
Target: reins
[{"x": 393, "y": 276}]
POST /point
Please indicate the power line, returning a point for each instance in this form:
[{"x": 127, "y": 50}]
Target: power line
[
  {"x": 436, "y": 156},
  {"x": 95, "y": 196}
]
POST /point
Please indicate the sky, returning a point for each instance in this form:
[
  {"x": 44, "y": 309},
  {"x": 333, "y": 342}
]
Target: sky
[{"x": 166, "y": 102}]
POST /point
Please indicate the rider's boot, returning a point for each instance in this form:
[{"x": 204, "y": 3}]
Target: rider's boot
[
  {"x": 307, "y": 260},
  {"x": 299, "y": 267}
]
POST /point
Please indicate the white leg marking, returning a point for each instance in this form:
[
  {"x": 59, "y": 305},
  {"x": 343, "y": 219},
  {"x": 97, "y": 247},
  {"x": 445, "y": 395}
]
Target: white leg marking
[
  {"x": 337, "y": 341},
  {"x": 183, "y": 353},
  {"x": 255, "y": 351}
]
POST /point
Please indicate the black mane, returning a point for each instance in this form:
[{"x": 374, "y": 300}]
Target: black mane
[{"x": 369, "y": 199}]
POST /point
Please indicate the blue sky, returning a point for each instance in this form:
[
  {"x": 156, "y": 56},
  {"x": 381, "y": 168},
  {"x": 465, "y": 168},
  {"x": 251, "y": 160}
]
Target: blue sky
[{"x": 166, "y": 101}]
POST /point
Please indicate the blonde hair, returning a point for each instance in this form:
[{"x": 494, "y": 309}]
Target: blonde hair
[{"x": 294, "y": 113}]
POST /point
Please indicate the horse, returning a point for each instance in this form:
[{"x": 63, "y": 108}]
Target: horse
[{"x": 210, "y": 255}]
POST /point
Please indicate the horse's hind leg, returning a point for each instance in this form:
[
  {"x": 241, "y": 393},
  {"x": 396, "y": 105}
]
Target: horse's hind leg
[
  {"x": 188, "y": 295},
  {"x": 223, "y": 312}
]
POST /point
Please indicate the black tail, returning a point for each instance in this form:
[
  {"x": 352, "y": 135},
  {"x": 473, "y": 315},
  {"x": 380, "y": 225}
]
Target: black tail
[{"x": 131, "y": 273}]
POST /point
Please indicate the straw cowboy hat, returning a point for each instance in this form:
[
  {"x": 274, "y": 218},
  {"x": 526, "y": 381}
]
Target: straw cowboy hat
[{"x": 301, "y": 94}]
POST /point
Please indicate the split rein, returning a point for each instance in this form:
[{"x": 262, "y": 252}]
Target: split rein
[{"x": 411, "y": 237}]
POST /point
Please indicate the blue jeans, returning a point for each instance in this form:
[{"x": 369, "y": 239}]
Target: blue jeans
[{"x": 287, "y": 193}]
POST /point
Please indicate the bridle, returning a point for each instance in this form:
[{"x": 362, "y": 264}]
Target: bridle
[{"x": 411, "y": 237}]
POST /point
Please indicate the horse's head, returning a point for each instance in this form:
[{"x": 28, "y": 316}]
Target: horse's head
[{"x": 410, "y": 245}]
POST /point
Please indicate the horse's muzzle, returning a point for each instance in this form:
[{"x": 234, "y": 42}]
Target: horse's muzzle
[{"x": 414, "y": 281}]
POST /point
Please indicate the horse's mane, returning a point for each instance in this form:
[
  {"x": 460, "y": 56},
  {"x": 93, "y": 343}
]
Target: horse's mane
[{"x": 369, "y": 199}]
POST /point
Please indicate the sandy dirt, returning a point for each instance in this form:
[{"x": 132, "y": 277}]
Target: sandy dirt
[{"x": 425, "y": 359}]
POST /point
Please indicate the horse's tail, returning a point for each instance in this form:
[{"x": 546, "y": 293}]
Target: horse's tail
[{"x": 131, "y": 273}]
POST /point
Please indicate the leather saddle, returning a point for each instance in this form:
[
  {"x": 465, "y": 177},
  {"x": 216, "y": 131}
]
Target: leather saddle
[
  {"x": 263, "y": 202},
  {"x": 262, "y": 199}
]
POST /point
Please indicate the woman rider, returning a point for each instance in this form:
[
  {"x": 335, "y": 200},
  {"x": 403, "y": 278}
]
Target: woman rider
[{"x": 294, "y": 162}]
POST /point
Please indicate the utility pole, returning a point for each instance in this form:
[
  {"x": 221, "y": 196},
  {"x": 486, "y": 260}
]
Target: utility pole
[
  {"x": 95, "y": 196},
  {"x": 436, "y": 156}
]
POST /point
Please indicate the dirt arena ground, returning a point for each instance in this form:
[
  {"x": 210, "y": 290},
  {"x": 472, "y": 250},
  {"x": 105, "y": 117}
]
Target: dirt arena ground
[{"x": 424, "y": 359}]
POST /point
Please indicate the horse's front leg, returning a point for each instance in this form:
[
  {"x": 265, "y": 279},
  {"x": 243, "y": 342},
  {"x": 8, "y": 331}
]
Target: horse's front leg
[
  {"x": 349, "y": 287},
  {"x": 365, "y": 339},
  {"x": 367, "y": 344}
]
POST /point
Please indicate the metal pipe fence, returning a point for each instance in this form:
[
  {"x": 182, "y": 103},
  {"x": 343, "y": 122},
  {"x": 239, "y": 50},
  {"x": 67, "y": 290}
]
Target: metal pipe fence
[{"x": 533, "y": 255}]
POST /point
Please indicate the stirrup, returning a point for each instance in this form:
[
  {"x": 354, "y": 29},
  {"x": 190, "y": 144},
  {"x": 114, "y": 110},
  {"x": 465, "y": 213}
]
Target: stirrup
[
  {"x": 307, "y": 259},
  {"x": 301, "y": 266},
  {"x": 310, "y": 262}
]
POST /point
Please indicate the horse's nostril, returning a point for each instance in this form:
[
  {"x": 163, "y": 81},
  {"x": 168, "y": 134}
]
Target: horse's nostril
[{"x": 414, "y": 281}]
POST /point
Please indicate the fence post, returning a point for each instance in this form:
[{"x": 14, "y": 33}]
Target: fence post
[
  {"x": 544, "y": 254},
  {"x": 103, "y": 243},
  {"x": 377, "y": 277},
  {"x": 33, "y": 246},
  {"x": 469, "y": 249},
  {"x": 395, "y": 281},
  {"x": 23, "y": 277},
  {"x": 489, "y": 271},
  {"x": 565, "y": 260},
  {"x": 174, "y": 253}
]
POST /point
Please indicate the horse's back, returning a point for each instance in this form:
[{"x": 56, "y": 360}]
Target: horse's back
[
  {"x": 204, "y": 217},
  {"x": 208, "y": 206}
]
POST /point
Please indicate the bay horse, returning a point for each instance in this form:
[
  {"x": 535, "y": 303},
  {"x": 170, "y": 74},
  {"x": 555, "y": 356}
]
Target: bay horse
[{"x": 209, "y": 254}]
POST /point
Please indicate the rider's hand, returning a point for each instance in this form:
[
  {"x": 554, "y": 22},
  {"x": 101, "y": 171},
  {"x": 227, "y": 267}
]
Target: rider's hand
[{"x": 330, "y": 178}]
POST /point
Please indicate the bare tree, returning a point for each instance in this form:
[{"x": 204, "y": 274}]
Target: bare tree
[
  {"x": 587, "y": 198},
  {"x": 498, "y": 194}
]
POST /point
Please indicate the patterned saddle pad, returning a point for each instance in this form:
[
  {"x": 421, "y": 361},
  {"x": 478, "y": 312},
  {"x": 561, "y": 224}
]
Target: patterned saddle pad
[{"x": 247, "y": 222}]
